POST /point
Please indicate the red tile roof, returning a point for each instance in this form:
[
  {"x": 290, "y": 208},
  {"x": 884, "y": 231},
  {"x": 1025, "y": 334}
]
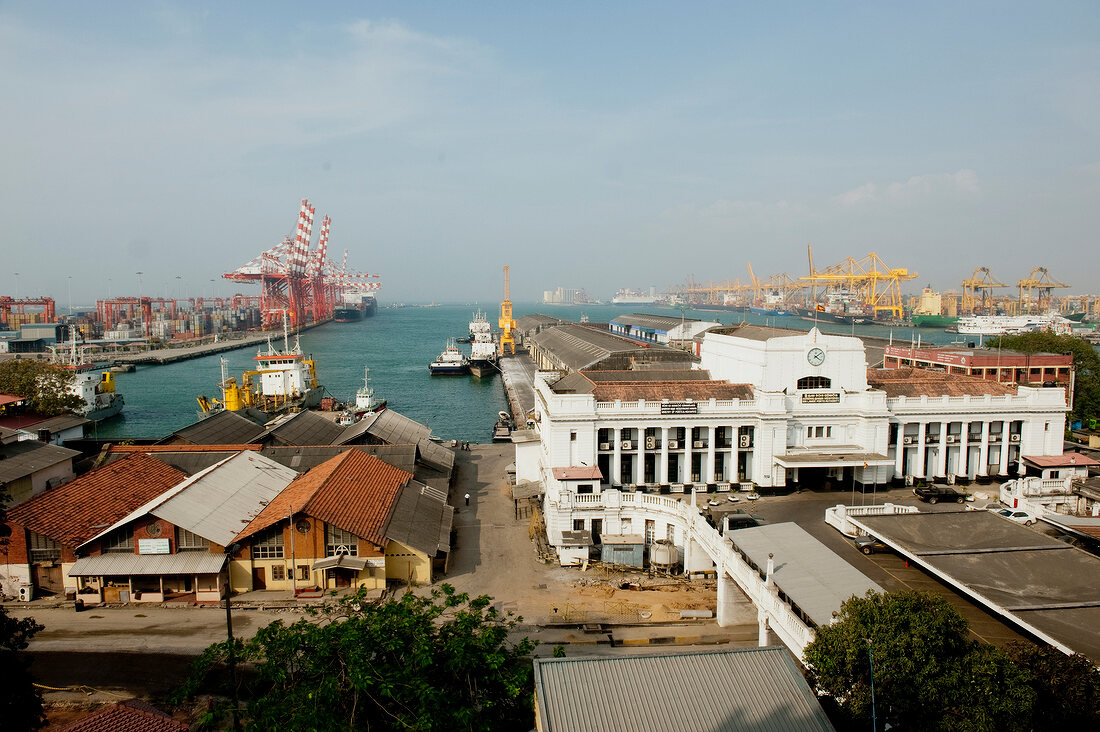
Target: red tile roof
[
  {"x": 1068, "y": 460},
  {"x": 925, "y": 382},
  {"x": 676, "y": 391},
  {"x": 78, "y": 510},
  {"x": 353, "y": 491},
  {"x": 132, "y": 715}
]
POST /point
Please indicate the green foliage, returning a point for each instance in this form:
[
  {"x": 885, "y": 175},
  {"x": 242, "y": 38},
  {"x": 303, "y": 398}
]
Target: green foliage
[
  {"x": 928, "y": 675},
  {"x": 1086, "y": 392},
  {"x": 412, "y": 663},
  {"x": 1067, "y": 688},
  {"x": 43, "y": 385},
  {"x": 20, "y": 701}
]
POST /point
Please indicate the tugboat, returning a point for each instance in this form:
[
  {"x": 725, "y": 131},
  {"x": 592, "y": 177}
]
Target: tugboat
[
  {"x": 483, "y": 351},
  {"x": 451, "y": 362},
  {"x": 365, "y": 400},
  {"x": 502, "y": 430}
]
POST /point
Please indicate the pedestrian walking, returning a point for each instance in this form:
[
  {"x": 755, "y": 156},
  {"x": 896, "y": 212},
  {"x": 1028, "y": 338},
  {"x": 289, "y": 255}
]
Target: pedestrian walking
[{"x": 467, "y": 499}]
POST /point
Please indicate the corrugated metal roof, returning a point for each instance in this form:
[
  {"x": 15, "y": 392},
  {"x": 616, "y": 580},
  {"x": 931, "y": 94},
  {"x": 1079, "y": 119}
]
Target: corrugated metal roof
[
  {"x": 135, "y": 564},
  {"x": 807, "y": 571},
  {"x": 759, "y": 689},
  {"x": 27, "y": 457},
  {"x": 579, "y": 347},
  {"x": 219, "y": 502},
  {"x": 303, "y": 428},
  {"x": 218, "y": 429},
  {"x": 421, "y": 519},
  {"x": 397, "y": 429}
]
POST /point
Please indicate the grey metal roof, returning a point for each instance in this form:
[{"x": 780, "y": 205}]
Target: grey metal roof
[
  {"x": 223, "y": 428},
  {"x": 356, "y": 431},
  {"x": 188, "y": 462},
  {"x": 1045, "y": 585},
  {"x": 217, "y": 503},
  {"x": 527, "y": 323},
  {"x": 808, "y": 572},
  {"x": 759, "y": 689},
  {"x": 440, "y": 457},
  {"x": 756, "y": 332},
  {"x": 303, "y": 459},
  {"x": 139, "y": 564},
  {"x": 27, "y": 457},
  {"x": 303, "y": 428},
  {"x": 421, "y": 519},
  {"x": 397, "y": 429},
  {"x": 577, "y": 347},
  {"x": 7, "y": 435},
  {"x": 651, "y": 322},
  {"x": 60, "y": 423}
]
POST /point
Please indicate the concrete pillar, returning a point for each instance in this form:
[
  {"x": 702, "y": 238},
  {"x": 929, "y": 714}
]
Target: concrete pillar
[
  {"x": 1002, "y": 469},
  {"x": 922, "y": 457},
  {"x": 728, "y": 594},
  {"x": 662, "y": 469},
  {"x": 766, "y": 636},
  {"x": 616, "y": 459},
  {"x": 983, "y": 451},
  {"x": 899, "y": 451},
  {"x": 712, "y": 436},
  {"x": 638, "y": 471},
  {"x": 941, "y": 458},
  {"x": 963, "y": 467}
]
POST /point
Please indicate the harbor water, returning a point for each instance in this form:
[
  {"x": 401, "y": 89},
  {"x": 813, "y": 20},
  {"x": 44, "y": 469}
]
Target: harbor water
[{"x": 398, "y": 344}]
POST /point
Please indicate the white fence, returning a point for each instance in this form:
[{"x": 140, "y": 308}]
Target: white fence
[{"x": 837, "y": 516}]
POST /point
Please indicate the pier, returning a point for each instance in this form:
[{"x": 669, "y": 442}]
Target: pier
[
  {"x": 518, "y": 373},
  {"x": 162, "y": 356}
]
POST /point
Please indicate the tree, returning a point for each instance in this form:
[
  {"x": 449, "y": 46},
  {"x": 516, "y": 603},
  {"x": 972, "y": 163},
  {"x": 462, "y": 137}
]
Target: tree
[
  {"x": 44, "y": 386},
  {"x": 928, "y": 675},
  {"x": 1067, "y": 688},
  {"x": 20, "y": 700},
  {"x": 412, "y": 663},
  {"x": 1086, "y": 392}
]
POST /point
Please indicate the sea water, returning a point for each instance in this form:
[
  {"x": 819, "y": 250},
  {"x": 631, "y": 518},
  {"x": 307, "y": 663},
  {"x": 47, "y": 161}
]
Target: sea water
[{"x": 397, "y": 344}]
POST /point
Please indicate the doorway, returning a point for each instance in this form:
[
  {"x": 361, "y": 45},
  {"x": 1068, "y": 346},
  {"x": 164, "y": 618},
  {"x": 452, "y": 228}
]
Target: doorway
[{"x": 259, "y": 578}]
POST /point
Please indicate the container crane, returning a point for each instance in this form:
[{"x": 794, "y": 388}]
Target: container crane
[
  {"x": 506, "y": 323},
  {"x": 877, "y": 286},
  {"x": 982, "y": 281},
  {"x": 1039, "y": 282}
]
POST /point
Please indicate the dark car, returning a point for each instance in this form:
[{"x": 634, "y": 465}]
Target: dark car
[
  {"x": 935, "y": 493},
  {"x": 870, "y": 545}
]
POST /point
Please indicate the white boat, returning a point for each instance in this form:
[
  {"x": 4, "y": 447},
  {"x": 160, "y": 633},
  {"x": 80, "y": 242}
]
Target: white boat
[
  {"x": 452, "y": 362},
  {"x": 365, "y": 399},
  {"x": 1012, "y": 324},
  {"x": 483, "y": 350},
  {"x": 101, "y": 400}
]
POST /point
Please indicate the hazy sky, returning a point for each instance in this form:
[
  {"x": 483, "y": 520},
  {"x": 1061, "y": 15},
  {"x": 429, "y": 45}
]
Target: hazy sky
[{"x": 597, "y": 145}]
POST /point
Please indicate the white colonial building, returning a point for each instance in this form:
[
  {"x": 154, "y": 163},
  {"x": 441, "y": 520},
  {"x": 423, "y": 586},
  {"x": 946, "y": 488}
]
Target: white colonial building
[{"x": 769, "y": 410}]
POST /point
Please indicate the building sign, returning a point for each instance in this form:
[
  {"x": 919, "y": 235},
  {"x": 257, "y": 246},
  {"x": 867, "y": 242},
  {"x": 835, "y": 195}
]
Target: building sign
[
  {"x": 679, "y": 408},
  {"x": 152, "y": 546},
  {"x": 376, "y": 561},
  {"x": 832, "y": 397}
]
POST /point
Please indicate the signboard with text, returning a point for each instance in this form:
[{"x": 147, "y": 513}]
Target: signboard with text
[
  {"x": 832, "y": 397},
  {"x": 152, "y": 546},
  {"x": 679, "y": 408}
]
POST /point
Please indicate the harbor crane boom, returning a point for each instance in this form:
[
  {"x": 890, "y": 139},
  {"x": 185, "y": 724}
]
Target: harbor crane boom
[{"x": 506, "y": 323}]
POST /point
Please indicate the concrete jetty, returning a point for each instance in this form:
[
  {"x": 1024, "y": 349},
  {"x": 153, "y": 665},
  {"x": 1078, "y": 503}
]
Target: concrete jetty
[
  {"x": 230, "y": 342},
  {"x": 518, "y": 373}
]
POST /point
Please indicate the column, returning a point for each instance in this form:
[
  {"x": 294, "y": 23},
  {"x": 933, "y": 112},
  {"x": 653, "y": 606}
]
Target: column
[
  {"x": 922, "y": 458},
  {"x": 617, "y": 458},
  {"x": 963, "y": 468},
  {"x": 708, "y": 471},
  {"x": 1002, "y": 469},
  {"x": 727, "y": 598},
  {"x": 941, "y": 458},
  {"x": 899, "y": 451},
  {"x": 983, "y": 450},
  {"x": 638, "y": 471},
  {"x": 662, "y": 475},
  {"x": 735, "y": 444}
]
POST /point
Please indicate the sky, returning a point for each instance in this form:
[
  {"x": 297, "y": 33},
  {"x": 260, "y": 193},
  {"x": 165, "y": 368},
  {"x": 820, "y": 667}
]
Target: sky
[{"x": 586, "y": 145}]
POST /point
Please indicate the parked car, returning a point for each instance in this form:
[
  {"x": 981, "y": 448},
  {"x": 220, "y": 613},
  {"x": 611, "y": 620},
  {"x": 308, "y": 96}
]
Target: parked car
[
  {"x": 1019, "y": 516},
  {"x": 870, "y": 545},
  {"x": 935, "y": 493},
  {"x": 988, "y": 506}
]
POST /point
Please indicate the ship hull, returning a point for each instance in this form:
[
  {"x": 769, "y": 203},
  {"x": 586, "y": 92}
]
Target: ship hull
[
  {"x": 482, "y": 368},
  {"x": 934, "y": 321},
  {"x": 112, "y": 408},
  {"x": 347, "y": 315},
  {"x": 448, "y": 369}
]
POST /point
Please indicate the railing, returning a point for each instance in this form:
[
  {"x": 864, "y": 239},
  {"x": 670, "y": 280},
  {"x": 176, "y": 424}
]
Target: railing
[{"x": 837, "y": 516}]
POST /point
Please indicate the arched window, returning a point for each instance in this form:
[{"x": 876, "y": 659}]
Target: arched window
[{"x": 815, "y": 382}]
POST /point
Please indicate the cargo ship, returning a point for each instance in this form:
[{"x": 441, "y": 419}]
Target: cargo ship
[
  {"x": 934, "y": 321},
  {"x": 451, "y": 362},
  {"x": 483, "y": 351},
  {"x": 101, "y": 400},
  {"x": 354, "y": 307}
]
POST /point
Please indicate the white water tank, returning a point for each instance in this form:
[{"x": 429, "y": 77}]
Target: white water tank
[
  {"x": 26, "y": 593},
  {"x": 663, "y": 554}
]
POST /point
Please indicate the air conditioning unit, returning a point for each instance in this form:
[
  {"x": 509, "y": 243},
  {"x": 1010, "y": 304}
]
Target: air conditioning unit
[
  {"x": 698, "y": 443},
  {"x": 1014, "y": 438},
  {"x": 746, "y": 441},
  {"x": 952, "y": 438},
  {"x": 907, "y": 440},
  {"x": 605, "y": 446},
  {"x": 650, "y": 443},
  {"x": 627, "y": 445},
  {"x": 673, "y": 444},
  {"x": 26, "y": 593}
]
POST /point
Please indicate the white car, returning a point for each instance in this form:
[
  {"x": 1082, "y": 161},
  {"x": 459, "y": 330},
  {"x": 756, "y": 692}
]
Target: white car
[{"x": 1021, "y": 517}]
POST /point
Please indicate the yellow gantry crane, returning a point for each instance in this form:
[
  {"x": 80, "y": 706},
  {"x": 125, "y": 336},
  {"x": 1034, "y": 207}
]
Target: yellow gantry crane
[
  {"x": 506, "y": 323},
  {"x": 877, "y": 286},
  {"x": 980, "y": 284},
  {"x": 1039, "y": 282}
]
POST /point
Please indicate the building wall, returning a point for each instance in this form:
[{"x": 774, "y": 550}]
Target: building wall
[
  {"x": 27, "y": 487},
  {"x": 406, "y": 564}
]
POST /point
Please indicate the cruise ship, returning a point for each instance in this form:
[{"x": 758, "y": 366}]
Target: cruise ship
[{"x": 1012, "y": 324}]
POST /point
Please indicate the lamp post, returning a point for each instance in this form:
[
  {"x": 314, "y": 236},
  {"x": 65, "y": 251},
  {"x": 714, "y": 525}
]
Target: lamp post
[{"x": 229, "y": 552}]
